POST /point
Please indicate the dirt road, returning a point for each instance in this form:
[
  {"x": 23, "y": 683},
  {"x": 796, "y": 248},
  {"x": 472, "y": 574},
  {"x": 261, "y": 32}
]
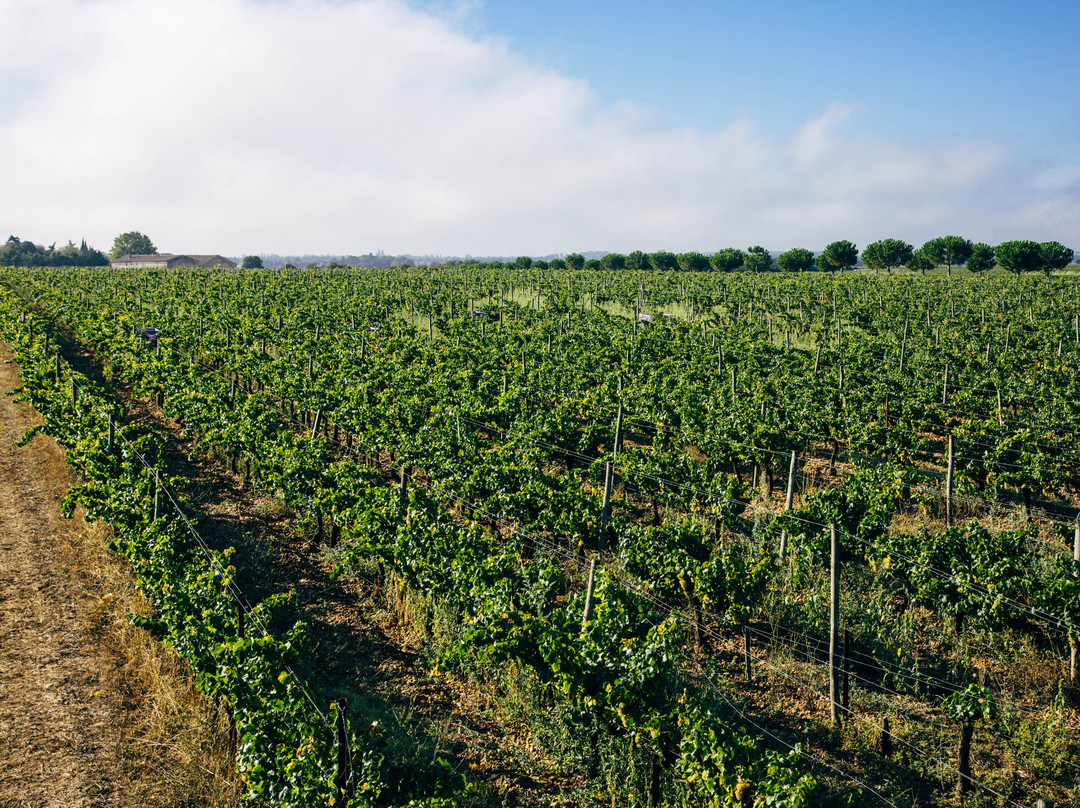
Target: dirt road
[{"x": 74, "y": 705}]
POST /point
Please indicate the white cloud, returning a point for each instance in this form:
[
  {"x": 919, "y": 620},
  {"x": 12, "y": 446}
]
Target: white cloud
[{"x": 325, "y": 126}]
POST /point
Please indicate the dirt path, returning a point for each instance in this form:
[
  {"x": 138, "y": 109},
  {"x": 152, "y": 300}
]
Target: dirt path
[{"x": 75, "y": 709}]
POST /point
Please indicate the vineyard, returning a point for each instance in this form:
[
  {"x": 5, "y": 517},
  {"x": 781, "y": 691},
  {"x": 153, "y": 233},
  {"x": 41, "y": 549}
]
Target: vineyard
[{"x": 716, "y": 539}]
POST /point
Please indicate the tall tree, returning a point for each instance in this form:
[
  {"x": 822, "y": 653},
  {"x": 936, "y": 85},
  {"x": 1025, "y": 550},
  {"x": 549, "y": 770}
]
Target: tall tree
[
  {"x": 727, "y": 260},
  {"x": 18, "y": 253},
  {"x": 575, "y": 261},
  {"x": 839, "y": 255},
  {"x": 663, "y": 261},
  {"x": 948, "y": 251},
  {"x": 523, "y": 262},
  {"x": 692, "y": 262},
  {"x": 637, "y": 261},
  {"x": 981, "y": 258},
  {"x": 1054, "y": 255},
  {"x": 132, "y": 243},
  {"x": 758, "y": 259},
  {"x": 887, "y": 254},
  {"x": 613, "y": 261},
  {"x": 920, "y": 261},
  {"x": 1018, "y": 256},
  {"x": 251, "y": 262},
  {"x": 797, "y": 259}
]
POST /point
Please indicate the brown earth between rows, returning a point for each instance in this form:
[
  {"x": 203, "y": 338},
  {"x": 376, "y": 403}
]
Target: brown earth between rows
[{"x": 92, "y": 713}]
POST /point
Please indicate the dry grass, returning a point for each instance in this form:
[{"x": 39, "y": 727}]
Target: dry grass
[
  {"x": 173, "y": 742},
  {"x": 93, "y": 711}
]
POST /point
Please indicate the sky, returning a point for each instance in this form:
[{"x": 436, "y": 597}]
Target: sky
[{"x": 514, "y": 127}]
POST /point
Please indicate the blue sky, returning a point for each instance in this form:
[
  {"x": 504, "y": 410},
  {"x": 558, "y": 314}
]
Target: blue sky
[
  {"x": 490, "y": 127},
  {"x": 914, "y": 69}
]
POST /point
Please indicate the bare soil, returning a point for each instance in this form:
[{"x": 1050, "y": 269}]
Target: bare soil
[{"x": 92, "y": 713}]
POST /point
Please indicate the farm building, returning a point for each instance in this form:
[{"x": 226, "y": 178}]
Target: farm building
[{"x": 167, "y": 261}]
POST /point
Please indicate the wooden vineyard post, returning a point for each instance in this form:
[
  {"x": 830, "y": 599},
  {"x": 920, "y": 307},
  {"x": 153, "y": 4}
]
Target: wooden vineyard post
[
  {"x": 587, "y": 614},
  {"x": 886, "y": 738},
  {"x": 733, "y": 382},
  {"x": 945, "y": 388},
  {"x": 157, "y": 494},
  {"x": 618, "y": 432},
  {"x": 949, "y": 485},
  {"x": 746, "y": 652},
  {"x": 963, "y": 762},
  {"x": 1001, "y": 419},
  {"x": 903, "y": 346},
  {"x": 834, "y": 625},
  {"x": 847, "y": 669},
  {"x": 787, "y": 502},
  {"x": 605, "y": 510},
  {"x": 817, "y": 360},
  {"x": 317, "y": 425},
  {"x": 1073, "y": 640},
  {"x": 74, "y": 395},
  {"x": 342, "y": 776}
]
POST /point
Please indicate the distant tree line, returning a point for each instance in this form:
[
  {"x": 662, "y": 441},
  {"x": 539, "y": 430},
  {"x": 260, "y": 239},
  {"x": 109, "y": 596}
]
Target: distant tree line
[
  {"x": 18, "y": 253},
  {"x": 888, "y": 254},
  {"x": 951, "y": 252}
]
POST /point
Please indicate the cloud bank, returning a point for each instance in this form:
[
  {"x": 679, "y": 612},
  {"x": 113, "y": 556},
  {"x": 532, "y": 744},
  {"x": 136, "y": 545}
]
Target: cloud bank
[{"x": 324, "y": 126}]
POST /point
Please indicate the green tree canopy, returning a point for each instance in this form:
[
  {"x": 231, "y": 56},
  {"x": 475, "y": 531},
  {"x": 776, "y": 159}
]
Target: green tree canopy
[
  {"x": 920, "y": 261},
  {"x": 637, "y": 261},
  {"x": 692, "y": 262},
  {"x": 947, "y": 251},
  {"x": 592, "y": 264},
  {"x": 1054, "y": 255},
  {"x": 727, "y": 260},
  {"x": 613, "y": 261},
  {"x": 132, "y": 243},
  {"x": 839, "y": 255},
  {"x": 575, "y": 261},
  {"x": 1019, "y": 256},
  {"x": 758, "y": 259},
  {"x": 796, "y": 259},
  {"x": 887, "y": 254},
  {"x": 523, "y": 262},
  {"x": 663, "y": 261},
  {"x": 557, "y": 263},
  {"x": 18, "y": 253},
  {"x": 251, "y": 262},
  {"x": 981, "y": 258}
]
